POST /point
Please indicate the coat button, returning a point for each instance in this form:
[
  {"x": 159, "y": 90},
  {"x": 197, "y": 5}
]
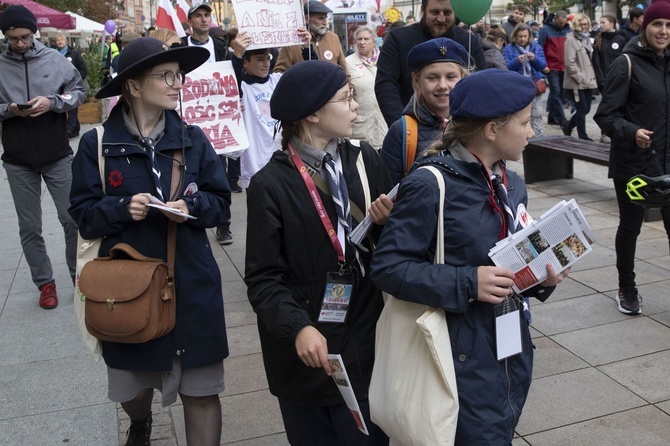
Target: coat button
[
  {"x": 461, "y": 358},
  {"x": 317, "y": 164},
  {"x": 120, "y": 200},
  {"x": 123, "y": 150},
  {"x": 178, "y": 352},
  {"x": 471, "y": 300},
  {"x": 106, "y": 150}
]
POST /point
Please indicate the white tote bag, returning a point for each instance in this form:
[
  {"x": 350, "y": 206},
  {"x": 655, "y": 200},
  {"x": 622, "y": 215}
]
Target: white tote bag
[
  {"x": 413, "y": 395},
  {"x": 87, "y": 250}
]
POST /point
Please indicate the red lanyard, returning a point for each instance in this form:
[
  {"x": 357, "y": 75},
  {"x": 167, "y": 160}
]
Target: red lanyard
[{"x": 318, "y": 204}]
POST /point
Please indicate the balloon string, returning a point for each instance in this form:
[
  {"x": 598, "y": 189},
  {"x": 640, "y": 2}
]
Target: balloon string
[{"x": 470, "y": 59}]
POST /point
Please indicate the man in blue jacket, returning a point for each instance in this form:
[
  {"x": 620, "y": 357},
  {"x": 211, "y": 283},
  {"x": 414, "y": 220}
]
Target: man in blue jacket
[
  {"x": 393, "y": 84},
  {"x": 37, "y": 87}
]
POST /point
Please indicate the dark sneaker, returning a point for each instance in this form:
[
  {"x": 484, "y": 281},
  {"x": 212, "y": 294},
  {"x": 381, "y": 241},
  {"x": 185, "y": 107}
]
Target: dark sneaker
[
  {"x": 566, "y": 130},
  {"x": 48, "y": 296},
  {"x": 224, "y": 236},
  {"x": 629, "y": 301},
  {"x": 236, "y": 188},
  {"x": 139, "y": 433}
]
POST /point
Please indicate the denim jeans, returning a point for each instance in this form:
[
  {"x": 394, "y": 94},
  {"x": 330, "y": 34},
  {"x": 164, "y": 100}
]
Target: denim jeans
[
  {"x": 555, "y": 99},
  {"x": 630, "y": 223},
  {"x": 582, "y": 108}
]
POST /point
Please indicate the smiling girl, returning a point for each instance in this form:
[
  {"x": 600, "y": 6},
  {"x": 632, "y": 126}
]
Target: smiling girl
[{"x": 436, "y": 67}]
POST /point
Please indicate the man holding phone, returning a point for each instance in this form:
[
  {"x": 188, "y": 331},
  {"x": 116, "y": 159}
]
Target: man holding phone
[{"x": 37, "y": 87}]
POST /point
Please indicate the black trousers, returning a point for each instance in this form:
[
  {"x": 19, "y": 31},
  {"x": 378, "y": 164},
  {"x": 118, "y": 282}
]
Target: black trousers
[
  {"x": 328, "y": 426},
  {"x": 631, "y": 217}
]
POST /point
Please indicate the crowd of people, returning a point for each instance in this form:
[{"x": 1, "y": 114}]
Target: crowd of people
[{"x": 330, "y": 134}]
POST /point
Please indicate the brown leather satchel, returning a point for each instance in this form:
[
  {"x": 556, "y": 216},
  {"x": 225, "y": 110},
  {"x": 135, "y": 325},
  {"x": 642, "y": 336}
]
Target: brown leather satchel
[{"x": 131, "y": 298}]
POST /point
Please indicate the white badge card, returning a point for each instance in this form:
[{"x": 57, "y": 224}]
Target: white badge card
[
  {"x": 336, "y": 298},
  {"x": 508, "y": 328}
]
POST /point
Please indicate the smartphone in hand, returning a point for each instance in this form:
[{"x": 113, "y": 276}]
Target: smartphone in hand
[{"x": 24, "y": 106}]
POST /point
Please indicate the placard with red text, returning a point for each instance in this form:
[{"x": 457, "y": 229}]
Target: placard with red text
[
  {"x": 271, "y": 23},
  {"x": 211, "y": 100}
]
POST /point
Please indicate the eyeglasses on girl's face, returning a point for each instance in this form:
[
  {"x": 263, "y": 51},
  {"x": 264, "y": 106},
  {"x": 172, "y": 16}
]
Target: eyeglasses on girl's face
[
  {"x": 170, "y": 77},
  {"x": 348, "y": 98}
]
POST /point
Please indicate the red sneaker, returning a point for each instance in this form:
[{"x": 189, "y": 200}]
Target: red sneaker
[{"x": 48, "y": 297}]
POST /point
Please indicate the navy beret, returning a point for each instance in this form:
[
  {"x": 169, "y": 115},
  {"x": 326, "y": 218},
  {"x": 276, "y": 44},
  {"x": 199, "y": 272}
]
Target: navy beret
[
  {"x": 18, "y": 16},
  {"x": 316, "y": 7},
  {"x": 436, "y": 50},
  {"x": 305, "y": 88},
  {"x": 491, "y": 93}
]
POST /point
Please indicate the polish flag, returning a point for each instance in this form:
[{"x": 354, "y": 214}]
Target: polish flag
[
  {"x": 166, "y": 17},
  {"x": 182, "y": 8}
]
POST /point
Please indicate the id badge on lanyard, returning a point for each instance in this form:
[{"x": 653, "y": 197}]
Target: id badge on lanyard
[
  {"x": 508, "y": 328},
  {"x": 337, "y": 297}
]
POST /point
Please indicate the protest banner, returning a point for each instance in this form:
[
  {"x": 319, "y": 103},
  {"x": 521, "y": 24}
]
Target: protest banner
[
  {"x": 211, "y": 100},
  {"x": 271, "y": 23}
]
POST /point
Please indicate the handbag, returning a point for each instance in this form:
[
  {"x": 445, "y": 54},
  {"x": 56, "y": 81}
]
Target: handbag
[
  {"x": 130, "y": 298},
  {"x": 413, "y": 396},
  {"x": 540, "y": 86}
]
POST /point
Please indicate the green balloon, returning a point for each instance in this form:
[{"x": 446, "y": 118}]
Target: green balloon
[{"x": 471, "y": 11}]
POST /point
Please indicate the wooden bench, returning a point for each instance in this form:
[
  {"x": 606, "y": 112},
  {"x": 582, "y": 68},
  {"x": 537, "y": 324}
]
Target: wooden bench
[{"x": 549, "y": 158}]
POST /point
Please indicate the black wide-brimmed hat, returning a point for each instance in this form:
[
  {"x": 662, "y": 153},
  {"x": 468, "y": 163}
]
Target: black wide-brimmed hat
[{"x": 147, "y": 52}]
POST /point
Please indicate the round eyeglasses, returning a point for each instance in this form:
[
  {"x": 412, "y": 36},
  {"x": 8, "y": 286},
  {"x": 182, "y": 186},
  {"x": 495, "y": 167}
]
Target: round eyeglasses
[
  {"x": 24, "y": 40},
  {"x": 170, "y": 77},
  {"x": 348, "y": 98}
]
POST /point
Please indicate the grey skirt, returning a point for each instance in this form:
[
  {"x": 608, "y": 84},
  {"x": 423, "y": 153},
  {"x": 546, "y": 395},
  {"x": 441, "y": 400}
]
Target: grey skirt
[{"x": 124, "y": 385}]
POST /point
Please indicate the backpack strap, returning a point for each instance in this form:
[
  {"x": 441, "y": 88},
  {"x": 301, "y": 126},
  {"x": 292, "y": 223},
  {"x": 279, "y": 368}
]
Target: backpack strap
[
  {"x": 630, "y": 67},
  {"x": 410, "y": 140}
]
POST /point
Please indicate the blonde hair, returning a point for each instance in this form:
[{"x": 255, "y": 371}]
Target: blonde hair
[
  {"x": 463, "y": 132},
  {"x": 164, "y": 34},
  {"x": 298, "y": 129},
  {"x": 60, "y": 35},
  {"x": 578, "y": 18}
]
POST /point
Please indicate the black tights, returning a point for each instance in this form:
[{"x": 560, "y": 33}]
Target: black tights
[
  {"x": 202, "y": 416},
  {"x": 631, "y": 217}
]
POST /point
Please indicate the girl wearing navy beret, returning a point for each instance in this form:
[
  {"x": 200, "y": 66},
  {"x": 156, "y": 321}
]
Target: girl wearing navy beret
[
  {"x": 307, "y": 283},
  {"x": 490, "y": 124},
  {"x": 436, "y": 65}
]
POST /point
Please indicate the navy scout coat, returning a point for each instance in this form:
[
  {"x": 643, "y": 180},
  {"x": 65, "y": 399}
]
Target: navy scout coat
[{"x": 199, "y": 335}]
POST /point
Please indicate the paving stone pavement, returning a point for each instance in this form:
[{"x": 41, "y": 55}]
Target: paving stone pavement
[{"x": 600, "y": 377}]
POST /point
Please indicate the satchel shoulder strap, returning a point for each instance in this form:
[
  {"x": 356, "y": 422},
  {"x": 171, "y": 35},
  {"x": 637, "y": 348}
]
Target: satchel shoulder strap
[
  {"x": 439, "y": 248},
  {"x": 172, "y": 225}
]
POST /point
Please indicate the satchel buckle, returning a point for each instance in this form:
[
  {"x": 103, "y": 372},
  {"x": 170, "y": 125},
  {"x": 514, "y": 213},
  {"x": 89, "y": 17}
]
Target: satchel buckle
[{"x": 110, "y": 304}]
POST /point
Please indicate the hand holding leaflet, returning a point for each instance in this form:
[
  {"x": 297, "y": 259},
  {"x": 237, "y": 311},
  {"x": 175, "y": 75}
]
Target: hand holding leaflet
[
  {"x": 363, "y": 229},
  {"x": 156, "y": 203}
]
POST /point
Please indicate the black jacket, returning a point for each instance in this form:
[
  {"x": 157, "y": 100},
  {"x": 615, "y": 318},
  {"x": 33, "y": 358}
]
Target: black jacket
[
  {"x": 611, "y": 48},
  {"x": 630, "y": 104},
  {"x": 220, "y": 48},
  {"x": 628, "y": 33},
  {"x": 288, "y": 256},
  {"x": 393, "y": 84},
  {"x": 79, "y": 63}
]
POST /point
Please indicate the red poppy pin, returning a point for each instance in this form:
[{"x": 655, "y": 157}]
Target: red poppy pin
[{"x": 115, "y": 178}]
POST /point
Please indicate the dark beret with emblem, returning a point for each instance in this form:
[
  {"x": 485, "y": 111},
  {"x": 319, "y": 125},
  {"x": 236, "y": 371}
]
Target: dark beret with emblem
[
  {"x": 490, "y": 94},
  {"x": 436, "y": 50},
  {"x": 144, "y": 53},
  {"x": 305, "y": 88}
]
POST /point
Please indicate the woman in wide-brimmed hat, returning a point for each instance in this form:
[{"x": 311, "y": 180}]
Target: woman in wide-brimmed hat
[{"x": 141, "y": 137}]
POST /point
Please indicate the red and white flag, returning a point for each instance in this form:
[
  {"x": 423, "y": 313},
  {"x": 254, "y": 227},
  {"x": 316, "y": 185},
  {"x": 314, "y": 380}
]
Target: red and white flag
[
  {"x": 182, "y": 8},
  {"x": 166, "y": 17}
]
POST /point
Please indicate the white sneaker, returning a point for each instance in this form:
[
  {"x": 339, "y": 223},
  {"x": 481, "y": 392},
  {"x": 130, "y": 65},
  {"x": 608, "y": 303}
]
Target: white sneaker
[{"x": 605, "y": 139}]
